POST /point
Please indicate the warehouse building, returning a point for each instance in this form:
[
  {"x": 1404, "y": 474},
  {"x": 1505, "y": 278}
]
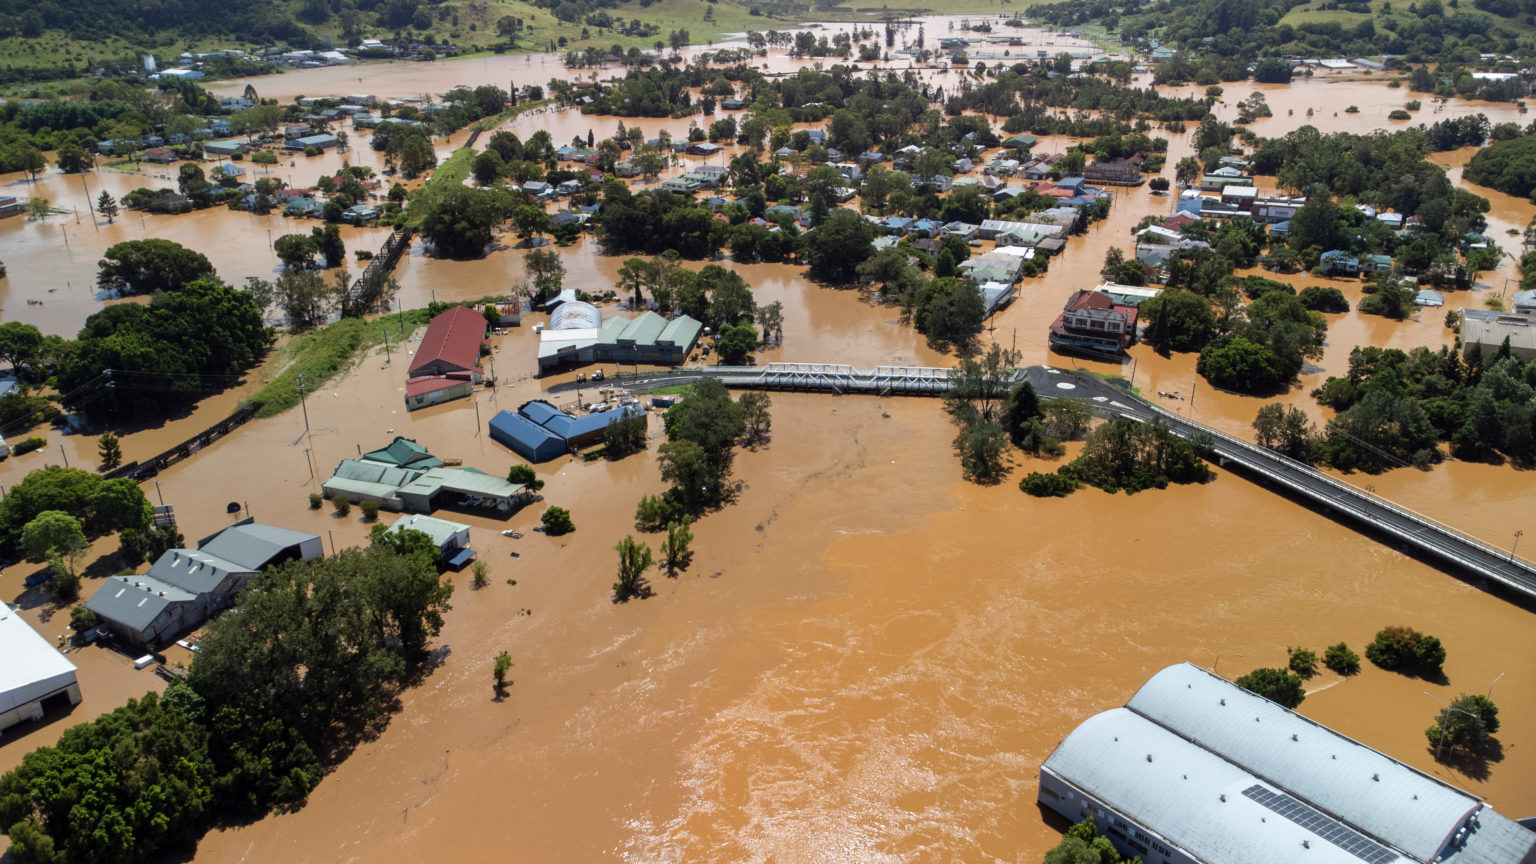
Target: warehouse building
[
  {"x": 420, "y": 490},
  {"x": 1196, "y": 770},
  {"x": 185, "y": 587},
  {"x": 578, "y": 333},
  {"x": 451, "y": 344},
  {"x": 539, "y": 431},
  {"x": 34, "y": 674}
]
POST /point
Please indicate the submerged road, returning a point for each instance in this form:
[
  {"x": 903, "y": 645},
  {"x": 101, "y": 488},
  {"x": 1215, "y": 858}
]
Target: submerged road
[{"x": 1418, "y": 532}]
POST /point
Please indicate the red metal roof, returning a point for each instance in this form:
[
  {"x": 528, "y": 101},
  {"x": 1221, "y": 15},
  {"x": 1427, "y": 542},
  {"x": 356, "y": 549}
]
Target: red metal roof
[
  {"x": 433, "y": 383},
  {"x": 453, "y": 338}
]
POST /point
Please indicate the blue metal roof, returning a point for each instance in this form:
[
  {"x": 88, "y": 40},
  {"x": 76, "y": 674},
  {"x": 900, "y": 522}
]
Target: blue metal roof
[{"x": 527, "y": 438}]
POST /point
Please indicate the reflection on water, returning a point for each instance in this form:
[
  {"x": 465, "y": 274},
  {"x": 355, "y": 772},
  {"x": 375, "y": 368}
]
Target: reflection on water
[{"x": 869, "y": 659}]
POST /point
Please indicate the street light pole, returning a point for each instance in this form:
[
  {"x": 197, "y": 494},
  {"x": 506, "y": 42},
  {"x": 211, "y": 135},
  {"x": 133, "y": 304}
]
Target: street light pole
[
  {"x": 1516, "y": 545},
  {"x": 1218, "y": 659},
  {"x": 159, "y": 494},
  {"x": 1445, "y": 717},
  {"x": 1490, "y": 686}
]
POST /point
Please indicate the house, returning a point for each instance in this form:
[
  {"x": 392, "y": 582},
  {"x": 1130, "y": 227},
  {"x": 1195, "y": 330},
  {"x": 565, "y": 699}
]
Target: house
[
  {"x": 292, "y": 132},
  {"x": 817, "y": 136},
  {"x": 422, "y": 391},
  {"x": 159, "y": 155},
  {"x": 715, "y": 174},
  {"x": 538, "y": 188},
  {"x": 1196, "y": 770},
  {"x": 626, "y": 169},
  {"x": 1428, "y": 297},
  {"x": 994, "y": 267},
  {"x": 235, "y": 103},
  {"x": 1336, "y": 262},
  {"x": 1276, "y": 208},
  {"x": 924, "y": 227},
  {"x": 701, "y": 181},
  {"x": 1222, "y": 177},
  {"x": 303, "y": 207},
  {"x": 1486, "y": 330},
  {"x": 420, "y": 490},
  {"x": 569, "y": 187},
  {"x": 963, "y": 166},
  {"x": 318, "y": 142},
  {"x": 404, "y": 453},
  {"x": 1524, "y": 302},
  {"x": 539, "y": 431},
  {"x": 451, "y": 344},
  {"x": 256, "y": 546},
  {"x": 37, "y": 677},
  {"x": 1375, "y": 263},
  {"x": 964, "y": 230},
  {"x": 230, "y": 171},
  {"x": 684, "y": 185},
  {"x": 361, "y": 214},
  {"x": 450, "y": 538},
  {"x": 995, "y": 296},
  {"x": 1093, "y": 323},
  {"x": 871, "y": 156},
  {"x": 733, "y": 104},
  {"x": 784, "y": 153},
  {"x": 226, "y": 148},
  {"x": 896, "y": 224},
  {"x": 1075, "y": 185},
  {"x": 704, "y": 148},
  {"x": 850, "y": 170}
]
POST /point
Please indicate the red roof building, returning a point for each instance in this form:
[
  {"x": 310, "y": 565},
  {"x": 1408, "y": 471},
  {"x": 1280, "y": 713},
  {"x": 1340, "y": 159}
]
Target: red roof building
[
  {"x": 451, "y": 344},
  {"x": 1092, "y": 322}
]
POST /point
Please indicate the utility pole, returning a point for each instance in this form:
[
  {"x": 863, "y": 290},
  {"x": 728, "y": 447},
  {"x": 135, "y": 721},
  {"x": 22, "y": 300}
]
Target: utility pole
[
  {"x": 303, "y": 404},
  {"x": 386, "y": 346},
  {"x": 66, "y": 465}
]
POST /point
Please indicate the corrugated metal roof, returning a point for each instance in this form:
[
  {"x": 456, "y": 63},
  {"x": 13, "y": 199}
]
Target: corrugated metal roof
[
  {"x": 254, "y": 545},
  {"x": 680, "y": 331},
  {"x": 1380, "y": 796},
  {"x": 194, "y": 572},
  {"x": 32, "y": 668},
  {"x": 441, "y": 531},
  {"x": 1176, "y": 788},
  {"x": 644, "y": 329},
  {"x": 454, "y": 338},
  {"x": 135, "y": 601}
]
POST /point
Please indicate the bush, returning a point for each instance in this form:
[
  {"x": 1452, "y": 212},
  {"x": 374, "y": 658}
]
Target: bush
[
  {"x": 370, "y": 509},
  {"x": 1042, "y": 485},
  {"x": 82, "y": 619},
  {"x": 342, "y": 503},
  {"x": 27, "y": 445},
  {"x": 315, "y": 500},
  {"x": 1399, "y": 114},
  {"x": 1158, "y": 184},
  {"x": 1353, "y": 109},
  {"x": 1403, "y": 649},
  {"x": 557, "y": 521},
  {"x": 656, "y": 512},
  {"x": 1323, "y": 299},
  {"x": 1302, "y": 662},
  {"x": 1276, "y": 685},
  {"x": 1341, "y": 660}
]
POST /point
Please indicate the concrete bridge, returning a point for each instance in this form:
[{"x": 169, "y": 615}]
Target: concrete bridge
[{"x": 1366, "y": 510}]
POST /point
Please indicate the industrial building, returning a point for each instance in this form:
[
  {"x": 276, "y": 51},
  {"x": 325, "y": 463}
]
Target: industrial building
[
  {"x": 1487, "y": 330},
  {"x": 185, "y": 587},
  {"x": 539, "y": 431},
  {"x": 1196, "y": 770},
  {"x": 578, "y": 333},
  {"x": 34, "y": 673},
  {"x": 419, "y": 490},
  {"x": 451, "y": 344}
]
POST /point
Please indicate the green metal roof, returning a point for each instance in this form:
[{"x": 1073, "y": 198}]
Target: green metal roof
[
  {"x": 680, "y": 331},
  {"x": 644, "y": 329}
]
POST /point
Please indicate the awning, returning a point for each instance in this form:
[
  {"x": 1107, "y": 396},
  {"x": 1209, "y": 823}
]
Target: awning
[{"x": 460, "y": 557}]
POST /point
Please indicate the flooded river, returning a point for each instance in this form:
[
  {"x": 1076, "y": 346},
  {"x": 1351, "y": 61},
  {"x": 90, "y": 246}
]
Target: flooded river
[{"x": 868, "y": 659}]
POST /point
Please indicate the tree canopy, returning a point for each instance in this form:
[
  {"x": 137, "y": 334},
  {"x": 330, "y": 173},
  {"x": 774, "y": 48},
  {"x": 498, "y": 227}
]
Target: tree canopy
[{"x": 149, "y": 266}]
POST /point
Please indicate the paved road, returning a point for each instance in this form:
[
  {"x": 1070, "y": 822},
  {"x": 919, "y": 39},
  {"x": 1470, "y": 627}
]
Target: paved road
[{"x": 1434, "y": 540}]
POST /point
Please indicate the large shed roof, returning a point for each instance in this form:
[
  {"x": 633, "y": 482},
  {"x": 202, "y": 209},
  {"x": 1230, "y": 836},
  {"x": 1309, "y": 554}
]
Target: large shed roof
[
  {"x": 135, "y": 601},
  {"x": 193, "y": 572},
  {"x": 453, "y": 337},
  {"x": 1392, "y": 802},
  {"x": 253, "y": 545},
  {"x": 32, "y": 668}
]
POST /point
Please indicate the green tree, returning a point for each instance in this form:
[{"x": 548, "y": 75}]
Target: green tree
[
  {"x": 635, "y": 274},
  {"x": 458, "y": 221},
  {"x": 1276, "y": 685},
  {"x": 1021, "y": 408},
  {"x": 697, "y": 480},
  {"x": 1286, "y": 430},
  {"x": 1302, "y": 661},
  {"x": 119, "y": 505},
  {"x": 1177, "y": 321},
  {"x": 488, "y": 167},
  {"x": 557, "y": 522},
  {"x": 20, "y": 345},
  {"x": 634, "y": 560},
  {"x": 296, "y": 250},
  {"x": 503, "y": 664},
  {"x": 54, "y": 533},
  {"x": 757, "y": 419},
  {"x": 328, "y": 245},
  {"x": 530, "y": 221},
  {"x": 1341, "y": 660},
  {"x": 736, "y": 343},
  {"x": 1404, "y": 649},
  {"x": 524, "y": 476},
  {"x": 1467, "y": 723},
  {"x": 837, "y": 248},
  {"x": 676, "y": 549},
  {"x": 149, "y": 266},
  {"x": 655, "y": 512},
  {"x": 624, "y": 437},
  {"x": 106, "y": 206},
  {"x": 53, "y": 487},
  {"x": 546, "y": 271}
]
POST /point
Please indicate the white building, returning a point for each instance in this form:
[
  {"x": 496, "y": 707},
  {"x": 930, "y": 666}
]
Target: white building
[
  {"x": 31, "y": 672},
  {"x": 1196, "y": 770}
]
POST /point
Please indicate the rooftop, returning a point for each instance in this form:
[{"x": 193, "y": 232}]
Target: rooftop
[
  {"x": 32, "y": 668},
  {"x": 453, "y": 337},
  {"x": 253, "y": 545}
]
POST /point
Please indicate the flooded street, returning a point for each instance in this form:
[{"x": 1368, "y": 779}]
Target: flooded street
[{"x": 868, "y": 659}]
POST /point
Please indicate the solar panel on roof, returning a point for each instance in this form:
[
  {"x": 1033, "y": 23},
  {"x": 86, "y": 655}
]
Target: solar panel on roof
[{"x": 1322, "y": 825}]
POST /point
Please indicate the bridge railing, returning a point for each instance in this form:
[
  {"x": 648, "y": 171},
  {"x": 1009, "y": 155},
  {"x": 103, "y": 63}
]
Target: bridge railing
[{"x": 1350, "y": 489}]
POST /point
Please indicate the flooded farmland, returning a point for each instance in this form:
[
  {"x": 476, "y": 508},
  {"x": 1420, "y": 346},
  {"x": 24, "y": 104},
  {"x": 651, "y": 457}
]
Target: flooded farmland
[{"x": 868, "y": 659}]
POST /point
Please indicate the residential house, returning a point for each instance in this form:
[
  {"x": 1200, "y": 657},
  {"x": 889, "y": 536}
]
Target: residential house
[
  {"x": 319, "y": 142},
  {"x": 1375, "y": 263},
  {"x": 964, "y": 230},
  {"x": 683, "y": 185},
  {"x": 1336, "y": 262},
  {"x": 704, "y": 148},
  {"x": 450, "y": 538}
]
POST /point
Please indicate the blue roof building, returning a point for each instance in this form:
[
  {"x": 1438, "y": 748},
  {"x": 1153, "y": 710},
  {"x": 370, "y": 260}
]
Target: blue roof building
[
  {"x": 926, "y": 226},
  {"x": 539, "y": 431},
  {"x": 525, "y": 437}
]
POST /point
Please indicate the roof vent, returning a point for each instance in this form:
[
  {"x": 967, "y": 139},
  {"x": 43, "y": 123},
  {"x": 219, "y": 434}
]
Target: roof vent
[
  {"x": 1223, "y": 799},
  {"x": 1306, "y": 844},
  {"x": 1149, "y": 757},
  {"x": 1376, "y": 777},
  {"x": 1293, "y": 737},
  {"x": 1223, "y": 701}
]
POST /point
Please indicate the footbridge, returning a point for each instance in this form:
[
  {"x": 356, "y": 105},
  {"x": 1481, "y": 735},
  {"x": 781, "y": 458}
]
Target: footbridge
[{"x": 1428, "y": 537}]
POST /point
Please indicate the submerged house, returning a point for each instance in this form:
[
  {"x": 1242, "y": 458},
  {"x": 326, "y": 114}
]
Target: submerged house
[{"x": 1093, "y": 323}]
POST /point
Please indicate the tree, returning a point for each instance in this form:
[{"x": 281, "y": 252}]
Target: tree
[
  {"x": 1404, "y": 649},
  {"x": 524, "y": 476},
  {"x": 296, "y": 251},
  {"x": 106, "y": 205},
  {"x": 1021, "y": 409},
  {"x": 557, "y": 522},
  {"x": 458, "y": 221},
  {"x": 488, "y": 167},
  {"x": 53, "y": 487},
  {"x": 20, "y": 345},
  {"x": 547, "y": 272},
  {"x": 119, "y": 505},
  {"x": 1240, "y": 364},
  {"x": 503, "y": 664},
  {"x": 306, "y": 297},
  {"x": 1302, "y": 661},
  {"x": 1187, "y": 171},
  {"x": 328, "y": 244},
  {"x": 634, "y": 274},
  {"x": 655, "y": 512},
  {"x": 1286, "y": 430},
  {"x": 149, "y": 266},
  {"x": 979, "y": 388},
  {"x": 697, "y": 482},
  {"x": 757, "y": 421},
  {"x": 1341, "y": 660},
  {"x": 1276, "y": 685},
  {"x": 56, "y": 537},
  {"x": 623, "y": 437},
  {"x": 981, "y": 446},
  {"x": 771, "y": 319},
  {"x": 481, "y": 573},
  {"x": 837, "y": 248},
  {"x": 1158, "y": 184},
  {"x": 736, "y": 343},
  {"x": 1177, "y": 320},
  {"x": 675, "y": 551},
  {"x": 1468, "y": 722},
  {"x": 634, "y": 560}
]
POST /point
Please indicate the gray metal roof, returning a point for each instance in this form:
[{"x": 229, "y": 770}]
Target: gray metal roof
[
  {"x": 1176, "y": 788},
  {"x": 1380, "y": 796},
  {"x": 135, "y": 601},
  {"x": 194, "y": 572},
  {"x": 441, "y": 531},
  {"x": 32, "y": 668},
  {"x": 253, "y": 545}
]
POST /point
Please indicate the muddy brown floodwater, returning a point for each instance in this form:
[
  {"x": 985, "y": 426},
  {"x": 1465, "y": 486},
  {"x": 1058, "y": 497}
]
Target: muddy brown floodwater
[{"x": 868, "y": 659}]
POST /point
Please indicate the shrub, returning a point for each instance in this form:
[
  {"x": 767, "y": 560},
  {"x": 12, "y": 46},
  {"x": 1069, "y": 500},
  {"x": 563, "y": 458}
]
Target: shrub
[
  {"x": 557, "y": 521},
  {"x": 315, "y": 500},
  {"x": 482, "y": 574},
  {"x": 656, "y": 512},
  {"x": 1353, "y": 109},
  {"x": 82, "y": 619},
  {"x": 1323, "y": 299},
  {"x": 27, "y": 445},
  {"x": 1341, "y": 660},
  {"x": 1276, "y": 685},
  {"x": 342, "y": 503},
  {"x": 1403, "y": 649},
  {"x": 1399, "y": 114},
  {"x": 370, "y": 509},
  {"x": 1302, "y": 661},
  {"x": 1041, "y": 485}
]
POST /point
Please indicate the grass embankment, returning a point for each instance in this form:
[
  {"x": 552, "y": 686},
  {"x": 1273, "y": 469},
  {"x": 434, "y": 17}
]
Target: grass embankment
[
  {"x": 320, "y": 355},
  {"x": 673, "y": 390},
  {"x": 1117, "y": 379},
  {"x": 491, "y": 124},
  {"x": 452, "y": 171}
]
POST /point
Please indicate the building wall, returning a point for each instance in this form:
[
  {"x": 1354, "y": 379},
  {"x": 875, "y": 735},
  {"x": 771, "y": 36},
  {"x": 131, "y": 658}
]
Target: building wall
[
  {"x": 450, "y": 391},
  {"x": 34, "y": 710},
  {"x": 1128, "y": 836}
]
